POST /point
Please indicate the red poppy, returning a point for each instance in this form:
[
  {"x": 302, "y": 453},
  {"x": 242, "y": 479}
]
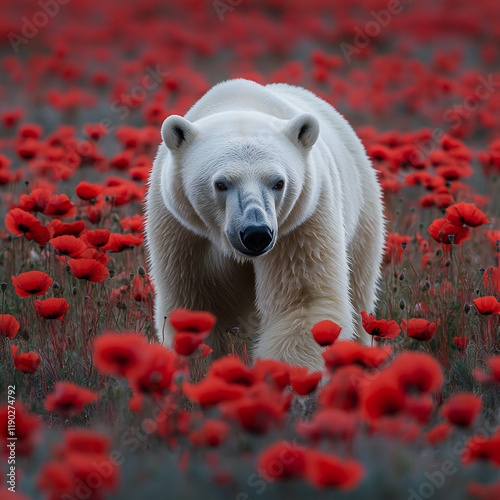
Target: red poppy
[
  {"x": 60, "y": 228},
  {"x": 379, "y": 328},
  {"x": 491, "y": 279},
  {"x": 141, "y": 288},
  {"x": 89, "y": 269},
  {"x": 9, "y": 326},
  {"x": 302, "y": 382},
  {"x": 438, "y": 433},
  {"x": 417, "y": 372},
  {"x": 87, "y": 191},
  {"x": 212, "y": 391},
  {"x": 466, "y": 213},
  {"x": 342, "y": 390},
  {"x": 198, "y": 322},
  {"x": 97, "y": 237},
  {"x": 27, "y": 428},
  {"x": 494, "y": 376},
  {"x": 348, "y": 352},
  {"x": 25, "y": 362},
  {"x": 442, "y": 229},
  {"x": 419, "y": 329},
  {"x": 86, "y": 441},
  {"x": 31, "y": 283},
  {"x": 60, "y": 207},
  {"x": 329, "y": 471},
  {"x": 53, "y": 308},
  {"x": 326, "y": 332},
  {"x": 273, "y": 372},
  {"x": 461, "y": 343},
  {"x": 68, "y": 245},
  {"x": 484, "y": 491},
  {"x": 211, "y": 433},
  {"x": 462, "y": 409},
  {"x": 154, "y": 375},
  {"x": 480, "y": 447},
  {"x": 185, "y": 343},
  {"x": 120, "y": 354},
  {"x": 18, "y": 221},
  {"x": 282, "y": 460},
  {"x": 487, "y": 305},
  {"x": 232, "y": 370},
  {"x": 205, "y": 350},
  {"x": 36, "y": 201},
  {"x": 69, "y": 399},
  {"x": 135, "y": 223},
  {"x": 329, "y": 423},
  {"x": 382, "y": 396},
  {"x": 119, "y": 242}
]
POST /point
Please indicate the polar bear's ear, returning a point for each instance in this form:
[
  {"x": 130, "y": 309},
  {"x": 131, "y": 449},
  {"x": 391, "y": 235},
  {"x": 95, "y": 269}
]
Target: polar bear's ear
[
  {"x": 303, "y": 130},
  {"x": 177, "y": 132}
]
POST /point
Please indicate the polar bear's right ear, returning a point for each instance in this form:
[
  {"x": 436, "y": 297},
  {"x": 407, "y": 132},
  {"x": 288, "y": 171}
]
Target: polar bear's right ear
[
  {"x": 177, "y": 133},
  {"x": 303, "y": 130}
]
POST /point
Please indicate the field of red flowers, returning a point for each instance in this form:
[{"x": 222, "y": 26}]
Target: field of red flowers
[{"x": 92, "y": 407}]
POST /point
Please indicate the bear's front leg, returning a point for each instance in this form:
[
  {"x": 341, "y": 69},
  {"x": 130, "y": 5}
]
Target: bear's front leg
[{"x": 302, "y": 281}]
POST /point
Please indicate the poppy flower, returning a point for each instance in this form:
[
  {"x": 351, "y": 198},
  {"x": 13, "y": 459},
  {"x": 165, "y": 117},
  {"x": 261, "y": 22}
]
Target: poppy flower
[
  {"x": 342, "y": 390},
  {"x": 282, "y": 460},
  {"x": 68, "y": 245},
  {"x": 348, "y": 352},
  {"x": 119, "y": 242},
  {"x": 329, "y": 423},
  {"x": 272, "y": 372},
  {"x": 86, "y": 441},
  {"x": 97, "y": 237},
  {"x": 31, "y": 283},
  {"x": 27, "y": 428},
  {"x": 141, "y": 288},
  {"x": 417, "y": 372},
  {"x": 198, "y": 322},
  {"x": 25, "y": 362},
  {"x": 494, "y": 376},
  {"x": 60, "y": 228},
  {"x": 119, "y": 354},
  {"x": 302, "y": 382},
  {"x": 53, "y": 308},
  {"x": 379, "y": 328},
  {"x": 211, "y": 433},
  {"x": 232, "y": 370},
  {"x": 442, "y": 229},
  {"x": 329, "y": 471},
  {"x": 462, "y": 409},
  {"x": 382, "y": 396},
  {"x": 60, "y": 207},
  {"x": 154, "y": 375},
  {"x": 185, "y": 343},
  {"x": 487, "y": 305},
  {"x": 438, "y": 433},
  {"x": 89, "y": 269},
  {"x": 461, "y": 343},
  {"x": 18, "y": 221},
  {"x": 212, "y": 391},
  {"x": 483, "y": 448},
  {"x": 87, "y": 191},
  {"x": 466, "y": 213},
  {"x": 419, "y": 329},
  {"x": 480, "y": 491},
  {"x": 491, "y": 279},
  {"x": 205, "y": 351},
  {"x": 36, "y": 201},
  {"x": 135, "y": 223},
  {"x": 9, "y": 326},
  {"x": 69, "y": 399},
  {"x": 326, "y": 332}
]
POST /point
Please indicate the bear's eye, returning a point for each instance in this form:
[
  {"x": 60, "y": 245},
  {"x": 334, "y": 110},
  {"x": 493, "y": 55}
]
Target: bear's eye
[
  {"x": 279, "y": 185},
  {"x": 220, "y": 186}
]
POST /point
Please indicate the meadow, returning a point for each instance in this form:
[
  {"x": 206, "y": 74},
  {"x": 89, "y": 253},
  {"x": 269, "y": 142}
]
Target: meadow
[{"x": 98, "y": 408}]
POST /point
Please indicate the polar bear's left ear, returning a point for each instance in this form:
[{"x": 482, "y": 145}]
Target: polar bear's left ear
[
  {"x": 177, "y": 133},
  {"x": 303, "y": 130}
]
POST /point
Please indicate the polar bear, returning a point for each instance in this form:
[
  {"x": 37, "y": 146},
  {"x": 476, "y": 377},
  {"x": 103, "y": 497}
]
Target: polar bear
[{"x": 264, "y": 209}]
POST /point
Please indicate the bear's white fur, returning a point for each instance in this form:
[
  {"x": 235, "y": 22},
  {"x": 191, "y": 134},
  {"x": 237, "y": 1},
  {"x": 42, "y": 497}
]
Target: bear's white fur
[{"x": 219, "y": 170}]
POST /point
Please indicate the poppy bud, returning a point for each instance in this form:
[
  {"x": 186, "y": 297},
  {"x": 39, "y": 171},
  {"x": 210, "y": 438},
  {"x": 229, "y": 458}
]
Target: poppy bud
[
  {"x": 404, "y": 245},
  {"x": 56, "y": 285},
  {"x": 74, "y": 291},
  {"x": 466, "y": 308},
  {"x": 107, "y": 198},
  {"x": 412, "y": 209},
  {"x": 131, "y": 276},
  {"x": 402, "y": 276},
  {"x": 438, "y": 252},
  {"x": 482, "y": 270},
  {"x": 115, "y": 218},
  {"x": 141, "y": 271},
  {"x": 447, "y": 263},
  {"x": 111, "y": 272},
  {"x": 451, "y": 238},
  {"x": 427, "y": 285},
  {"x": 402, "y": 304},
  {"x": 4, "y": 286},
  {"x": 447, "y": 184}
]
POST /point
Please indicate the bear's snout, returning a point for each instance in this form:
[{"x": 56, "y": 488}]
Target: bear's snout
[{"x": 256, "y": 239}]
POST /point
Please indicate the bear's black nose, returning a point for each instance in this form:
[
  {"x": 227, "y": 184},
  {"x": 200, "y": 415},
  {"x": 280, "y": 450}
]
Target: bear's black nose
[{"x": 256, "y": 238}]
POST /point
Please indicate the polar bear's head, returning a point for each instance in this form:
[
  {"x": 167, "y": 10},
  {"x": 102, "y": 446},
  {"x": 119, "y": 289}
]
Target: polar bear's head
[{"x": 240, "y": 178}]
